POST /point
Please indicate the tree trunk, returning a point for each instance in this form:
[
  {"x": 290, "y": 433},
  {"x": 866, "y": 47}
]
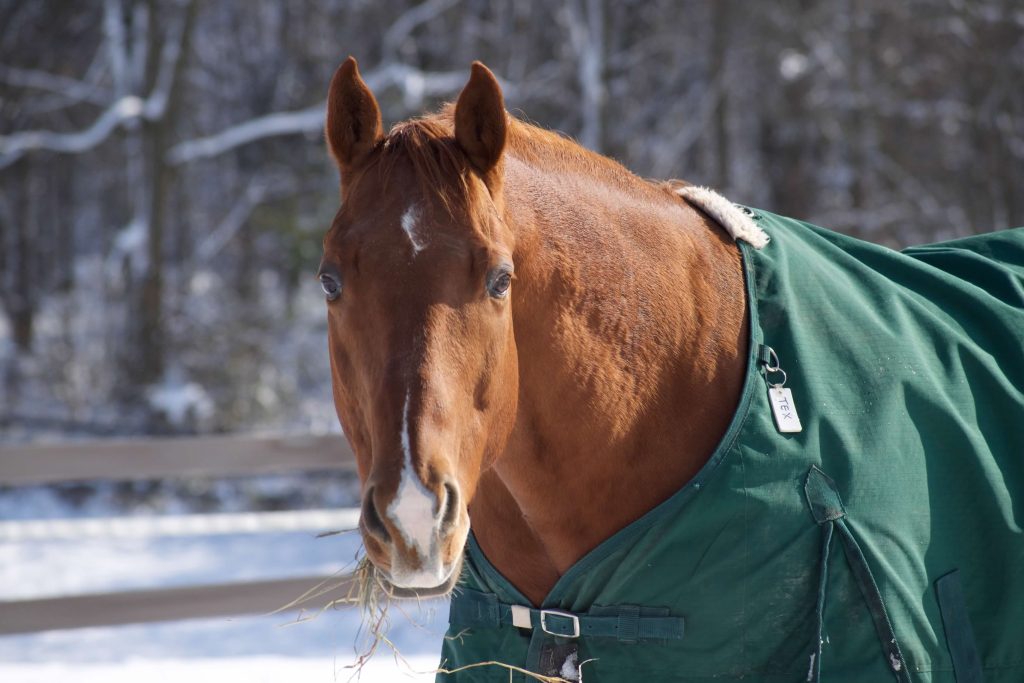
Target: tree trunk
[
  {"x": 719, "y": 76},
  {"x": 147, "y": 330}
]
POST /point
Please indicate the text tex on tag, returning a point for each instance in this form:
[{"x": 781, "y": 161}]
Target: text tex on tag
[{"x": 779, "y": 397}]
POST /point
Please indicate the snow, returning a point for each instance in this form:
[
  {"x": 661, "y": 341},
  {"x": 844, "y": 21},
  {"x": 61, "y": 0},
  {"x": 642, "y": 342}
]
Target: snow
[
  {"x": 226, "y": 670},
  {"x": 179, "y": 399},
  {"x": 570, "y": 668},
  {"x": 129, "y": 246},
  {"x": 108, "y": 528},
  {"x": 793, "y": 64},
  {"x": 252, "y": 648}
]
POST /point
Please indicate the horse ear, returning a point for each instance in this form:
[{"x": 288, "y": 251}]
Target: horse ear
[
  {"x": 353, "y": 118},
  {"x": 480, "y": 124}
]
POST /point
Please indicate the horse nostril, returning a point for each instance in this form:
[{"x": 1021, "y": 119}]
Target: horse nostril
[
  {"x": 372, "y": 522},
  {"x": 450, "y": 515}
]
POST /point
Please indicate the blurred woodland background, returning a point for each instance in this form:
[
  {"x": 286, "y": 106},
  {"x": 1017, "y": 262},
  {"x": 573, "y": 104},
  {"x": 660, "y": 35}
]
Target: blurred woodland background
[{"x": 164, "y": 185}]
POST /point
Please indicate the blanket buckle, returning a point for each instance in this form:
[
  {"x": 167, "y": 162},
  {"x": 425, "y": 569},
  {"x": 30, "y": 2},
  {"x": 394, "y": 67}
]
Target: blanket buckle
[{"x": 545, "y": 614}]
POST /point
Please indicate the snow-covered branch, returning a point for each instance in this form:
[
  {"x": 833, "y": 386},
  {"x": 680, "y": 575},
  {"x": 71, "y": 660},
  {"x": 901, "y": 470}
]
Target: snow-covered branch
[
  {"x": 70, "y": 88},
  {"x": 12, "y": 147},
  {"x": 113, "y": 28},
  {"x": 399, "y": 31},
  {"x": 170, "y": 53},
  {"x": 586, "y": 33},
  {"x": 280, "y": 123},
  {"x": 138, "y": 48},
  {"x": 414, "y": 83},
  {"x": 127, "y": 107}
]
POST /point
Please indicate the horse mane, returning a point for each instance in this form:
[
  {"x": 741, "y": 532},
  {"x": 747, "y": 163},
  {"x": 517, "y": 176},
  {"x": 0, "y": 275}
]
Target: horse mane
[{"x": 442, "y": 167}]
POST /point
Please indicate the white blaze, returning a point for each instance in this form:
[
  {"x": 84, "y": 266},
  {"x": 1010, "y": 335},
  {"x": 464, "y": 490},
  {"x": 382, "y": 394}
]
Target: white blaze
[
  {"x": 409, "y": 226},
  {"x": 412, "y": 509}
]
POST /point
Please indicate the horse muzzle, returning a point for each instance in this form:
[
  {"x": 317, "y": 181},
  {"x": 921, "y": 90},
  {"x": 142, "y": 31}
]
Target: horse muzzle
[{"x": 415, "y": 538}]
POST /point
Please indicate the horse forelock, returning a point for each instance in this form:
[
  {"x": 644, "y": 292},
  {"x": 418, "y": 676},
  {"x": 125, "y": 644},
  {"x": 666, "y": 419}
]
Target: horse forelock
[{"x": 440, "y": 166}]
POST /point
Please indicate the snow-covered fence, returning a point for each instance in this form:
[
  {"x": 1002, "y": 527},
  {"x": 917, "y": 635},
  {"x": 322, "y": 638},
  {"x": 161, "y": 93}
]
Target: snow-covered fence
[
  {"x": 317, "y": 521},
  {"x": 180, "y": 457}
]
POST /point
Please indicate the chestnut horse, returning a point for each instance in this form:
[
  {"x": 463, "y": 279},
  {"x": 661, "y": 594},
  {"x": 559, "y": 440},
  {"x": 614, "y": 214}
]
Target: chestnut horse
[
  {"x": 528, "y": 339},
  {"x": 514, "y": 323}
]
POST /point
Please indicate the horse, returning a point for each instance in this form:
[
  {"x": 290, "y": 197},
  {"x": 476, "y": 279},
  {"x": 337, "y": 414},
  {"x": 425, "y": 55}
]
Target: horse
[{"x": 548, "y": 370}]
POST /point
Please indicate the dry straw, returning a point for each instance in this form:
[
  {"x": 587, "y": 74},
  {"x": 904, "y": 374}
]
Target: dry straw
[{"x": 372, "y": 595}]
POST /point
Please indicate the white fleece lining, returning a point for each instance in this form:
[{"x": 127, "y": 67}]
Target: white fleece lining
[{"x": 738, "y": 224}]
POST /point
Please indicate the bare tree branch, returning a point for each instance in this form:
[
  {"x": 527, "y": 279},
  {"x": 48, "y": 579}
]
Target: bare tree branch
[
  {"x": 170, "y": 53},
  {"x": 113, "y": 28},
  {"x": 126, "y": 108},
  {"x": 258, "y": 191},
  {"x": 138, "y": 47},
  {"x": 12, "y": 147},
  {"x": 73, "y": 89},
  {"x": 414, "y": 83},
  {"x": 99, "y": 66},
  {"x": 280, "y": 123},
  {"x": 409, "y": 20},
  {"x": 586, "y": 33}
]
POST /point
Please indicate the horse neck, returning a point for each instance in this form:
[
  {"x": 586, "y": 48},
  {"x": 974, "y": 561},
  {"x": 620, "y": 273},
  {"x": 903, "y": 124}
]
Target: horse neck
[{"x": 630, "y": 324}]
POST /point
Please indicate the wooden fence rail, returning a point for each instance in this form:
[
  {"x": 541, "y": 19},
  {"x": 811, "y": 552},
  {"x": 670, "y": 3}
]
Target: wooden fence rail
[
  {"x": 171, "y": 604},
  {"x": 133, "y": 459},
  {"x": 201, "y": 456}
]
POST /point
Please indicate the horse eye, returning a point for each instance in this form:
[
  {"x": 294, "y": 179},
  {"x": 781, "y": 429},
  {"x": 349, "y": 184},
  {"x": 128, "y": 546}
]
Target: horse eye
[
  {"x": 499, "y": 282},
  {"x": 331, "y": 287}
]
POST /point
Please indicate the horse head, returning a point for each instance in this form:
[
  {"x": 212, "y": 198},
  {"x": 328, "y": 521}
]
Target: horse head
[{"x": 417, "y": 272}]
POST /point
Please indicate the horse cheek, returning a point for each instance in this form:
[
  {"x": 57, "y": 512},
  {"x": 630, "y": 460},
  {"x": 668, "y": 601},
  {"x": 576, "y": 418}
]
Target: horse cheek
[
  {"x": 506, "y": 405},
  {"x": 347, "y": 406}
]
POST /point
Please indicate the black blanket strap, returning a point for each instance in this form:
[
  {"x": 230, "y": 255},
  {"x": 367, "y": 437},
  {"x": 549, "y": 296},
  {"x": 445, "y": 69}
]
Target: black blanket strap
[
  {"x": 829, "y": 512},
  {"x": 626, "y": 623}
]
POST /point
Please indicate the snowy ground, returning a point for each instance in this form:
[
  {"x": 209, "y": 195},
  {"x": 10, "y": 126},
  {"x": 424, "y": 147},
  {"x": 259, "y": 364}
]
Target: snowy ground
[
  {"x": 223, "y": 670},
  {"x": 251, "y": 649}
]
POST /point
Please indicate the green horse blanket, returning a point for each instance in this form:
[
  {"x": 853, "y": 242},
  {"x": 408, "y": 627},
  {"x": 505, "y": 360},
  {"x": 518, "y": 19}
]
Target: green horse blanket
[{"x": 881, "y": 541}]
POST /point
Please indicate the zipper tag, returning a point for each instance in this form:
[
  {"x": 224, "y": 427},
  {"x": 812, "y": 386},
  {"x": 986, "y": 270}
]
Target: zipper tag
[{"x": 787, "y": 421}]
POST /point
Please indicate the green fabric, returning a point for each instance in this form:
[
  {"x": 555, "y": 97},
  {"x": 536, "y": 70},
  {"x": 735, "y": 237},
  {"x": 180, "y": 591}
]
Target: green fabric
[
  {"x": 626, "y": 623},
  {"x": 907, "y": 371},
  {"x": 823, "y": 496},
  {"x": 890, "y": 646},
  {"x": 826, "y": 506},
  {"x": 959, "y": 636}
]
